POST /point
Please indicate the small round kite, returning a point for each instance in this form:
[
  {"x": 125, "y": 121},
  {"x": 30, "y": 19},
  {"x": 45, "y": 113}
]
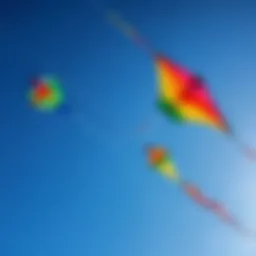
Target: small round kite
[{"x": 46, "y": 94}]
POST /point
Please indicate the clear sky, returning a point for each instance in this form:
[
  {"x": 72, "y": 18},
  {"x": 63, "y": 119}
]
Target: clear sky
[{"x": 79, "y": 185}]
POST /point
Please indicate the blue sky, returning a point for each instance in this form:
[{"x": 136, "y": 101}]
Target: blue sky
[{"x": 79, "y": 185}]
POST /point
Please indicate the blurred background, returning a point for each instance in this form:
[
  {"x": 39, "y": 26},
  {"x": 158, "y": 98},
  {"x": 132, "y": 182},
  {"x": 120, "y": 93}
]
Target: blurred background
[{"x": 81, "y": 185}]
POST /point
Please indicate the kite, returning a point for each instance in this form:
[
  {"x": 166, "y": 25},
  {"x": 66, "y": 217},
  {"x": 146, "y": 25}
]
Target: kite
[
  {"x": 183, "y": 96},
  {"x": 162, "y": 162},
  {"x": 47, "y": 95}
]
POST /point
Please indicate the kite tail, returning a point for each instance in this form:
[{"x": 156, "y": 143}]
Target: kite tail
[
  {"x": 196, "y": 195},
  {"x": 247, "y": 150},
  {"x": 132, "y": 33},
  {"x": 128, "y": 30}
]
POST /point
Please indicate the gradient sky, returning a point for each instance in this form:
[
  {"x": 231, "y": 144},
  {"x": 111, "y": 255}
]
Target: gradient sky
[{"x": 79, "y": 185}]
